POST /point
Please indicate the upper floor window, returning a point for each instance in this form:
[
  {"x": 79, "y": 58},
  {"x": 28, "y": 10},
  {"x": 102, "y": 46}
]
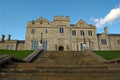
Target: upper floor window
[
  {"x": 103, "y": 42},
  {"x": 74, "y": 32},
  {"x": 46, "y": 31},
  {"x": 81, "y": 32},
  {"x": 118, "y": 42},
  {"x": 61, "y": 30},
  {"x": 33, "y": 31},
  {"x": 90, "y": 33}
]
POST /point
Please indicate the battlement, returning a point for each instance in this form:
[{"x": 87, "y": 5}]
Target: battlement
[{"x": 66, "y": 18}]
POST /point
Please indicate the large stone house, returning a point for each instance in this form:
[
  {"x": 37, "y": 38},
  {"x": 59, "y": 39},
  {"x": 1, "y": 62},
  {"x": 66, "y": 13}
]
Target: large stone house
[{"x": 61, "y": 35}]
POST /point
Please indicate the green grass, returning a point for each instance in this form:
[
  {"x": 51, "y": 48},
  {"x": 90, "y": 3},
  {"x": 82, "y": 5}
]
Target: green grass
[
  {"x": 21, "y": 54},
  {"x": 109, "y": 54}
]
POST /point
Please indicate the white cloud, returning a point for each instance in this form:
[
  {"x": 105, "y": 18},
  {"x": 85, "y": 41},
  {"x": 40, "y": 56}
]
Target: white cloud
[{"x": 111, "y": 17}]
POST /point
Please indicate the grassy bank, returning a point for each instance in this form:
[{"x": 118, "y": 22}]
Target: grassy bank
[
  {"x": 21, "y": 54},
  {"x": 109, "y": 54}
]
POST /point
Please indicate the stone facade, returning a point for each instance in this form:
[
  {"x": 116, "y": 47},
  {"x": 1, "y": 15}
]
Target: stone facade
[{"x": 61, "y": 35}]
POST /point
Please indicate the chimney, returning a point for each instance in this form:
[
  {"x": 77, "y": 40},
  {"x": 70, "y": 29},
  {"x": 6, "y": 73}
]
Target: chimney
[
  {"x": 106, "y": 30},
  {"x": 9, "y": 37},
  {"x": 3, "y": 38}
]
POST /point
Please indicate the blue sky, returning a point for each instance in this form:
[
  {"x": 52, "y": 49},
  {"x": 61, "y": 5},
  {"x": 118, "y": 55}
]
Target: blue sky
[{"x": 14, "y": 14}]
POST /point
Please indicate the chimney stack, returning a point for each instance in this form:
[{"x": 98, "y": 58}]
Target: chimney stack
[
  {"x": 3, "y": 38},
  {"x": 9, "y": 37},
  {"x": 106, "y": 30}
]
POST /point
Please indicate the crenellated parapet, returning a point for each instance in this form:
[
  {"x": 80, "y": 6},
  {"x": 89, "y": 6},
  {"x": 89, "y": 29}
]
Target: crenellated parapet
[{"x": 62, "y": 18}]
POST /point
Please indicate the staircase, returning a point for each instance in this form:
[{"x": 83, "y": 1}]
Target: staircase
[{"x": 61, "y": 65}]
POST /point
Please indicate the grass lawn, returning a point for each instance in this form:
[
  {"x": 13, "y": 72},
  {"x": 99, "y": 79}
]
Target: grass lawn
[
  {"x": 109, "y": 54},
  {"x": 21, "y": 54}
]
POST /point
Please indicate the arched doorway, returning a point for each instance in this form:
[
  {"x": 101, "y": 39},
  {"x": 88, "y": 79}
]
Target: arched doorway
[{"x": 61, "y": 48}]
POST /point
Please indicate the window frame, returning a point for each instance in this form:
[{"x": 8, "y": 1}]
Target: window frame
[
  {"x": 118, "y": 41},
  {"x": 103, "y": 41},
  {"x": 33, "y": 30},
  {"x": 61, "y": 30},
  {"x": 82, "y": 33},
  {"x": 73, "y": 32},
  {"x": 89, "y": 33}
]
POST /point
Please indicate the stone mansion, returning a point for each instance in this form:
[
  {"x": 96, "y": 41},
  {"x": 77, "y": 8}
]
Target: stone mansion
[{"x": 61, "y": 35}]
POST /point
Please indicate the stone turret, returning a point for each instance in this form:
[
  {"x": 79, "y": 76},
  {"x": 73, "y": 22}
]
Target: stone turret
[
  {"x": 106, "y": 30},
  {"x": 3, "y": 38}
]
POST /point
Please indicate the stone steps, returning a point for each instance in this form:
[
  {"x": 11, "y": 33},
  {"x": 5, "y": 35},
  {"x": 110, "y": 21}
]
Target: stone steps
[
  {"x": 61, "y": 76},
  {"x": 61, "y": 65}
]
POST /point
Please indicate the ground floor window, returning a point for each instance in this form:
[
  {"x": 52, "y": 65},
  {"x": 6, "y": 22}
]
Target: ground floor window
[
  {"x": 103, "y": 42},
  {"x": 10, "y": 47},
  {"x": 45, "y": 44},
  {"x": 34, "y": 44},
  {"x": 118, "y": 42}
]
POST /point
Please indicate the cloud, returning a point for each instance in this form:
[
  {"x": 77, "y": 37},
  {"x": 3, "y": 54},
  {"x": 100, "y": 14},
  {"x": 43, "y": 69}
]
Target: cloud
[{"x": 111, "y": 17}]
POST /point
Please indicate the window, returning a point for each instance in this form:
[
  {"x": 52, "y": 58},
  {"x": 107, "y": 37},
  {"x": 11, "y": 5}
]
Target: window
[
  {"x": 46, "y": 31},
  {"x": 61, "y": 30},
  {"x": 74, "y": 32},
  {"x": 81, "y": 32},
  {"x": 103, "y": 42},
  {"x": 34, "y": 44},
  {"x": 118, "y": 42},
  {"x": 10, "y": 47},
  {"x": 90, "y": 33},
  {"x": 33, "y": 31},
  {"x": 45, "y": 43},
  {"x": 7, "y": 46}
]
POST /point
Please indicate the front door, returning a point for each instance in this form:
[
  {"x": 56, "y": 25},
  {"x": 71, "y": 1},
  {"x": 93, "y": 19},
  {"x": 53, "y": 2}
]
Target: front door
[{"x": 61, "y": 48}]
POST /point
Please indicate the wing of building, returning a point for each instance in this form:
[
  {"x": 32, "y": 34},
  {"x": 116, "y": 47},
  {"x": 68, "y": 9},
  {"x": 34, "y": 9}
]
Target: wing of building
[{"x": 61, "y": 35}]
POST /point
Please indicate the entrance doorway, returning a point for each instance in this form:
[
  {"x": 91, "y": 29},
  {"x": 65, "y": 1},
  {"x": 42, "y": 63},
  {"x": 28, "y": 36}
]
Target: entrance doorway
[{"x": 61, "y": 48}]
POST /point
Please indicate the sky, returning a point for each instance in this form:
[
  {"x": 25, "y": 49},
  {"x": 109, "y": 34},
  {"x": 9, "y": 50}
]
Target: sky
[{"x": 15, "y": 14}]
